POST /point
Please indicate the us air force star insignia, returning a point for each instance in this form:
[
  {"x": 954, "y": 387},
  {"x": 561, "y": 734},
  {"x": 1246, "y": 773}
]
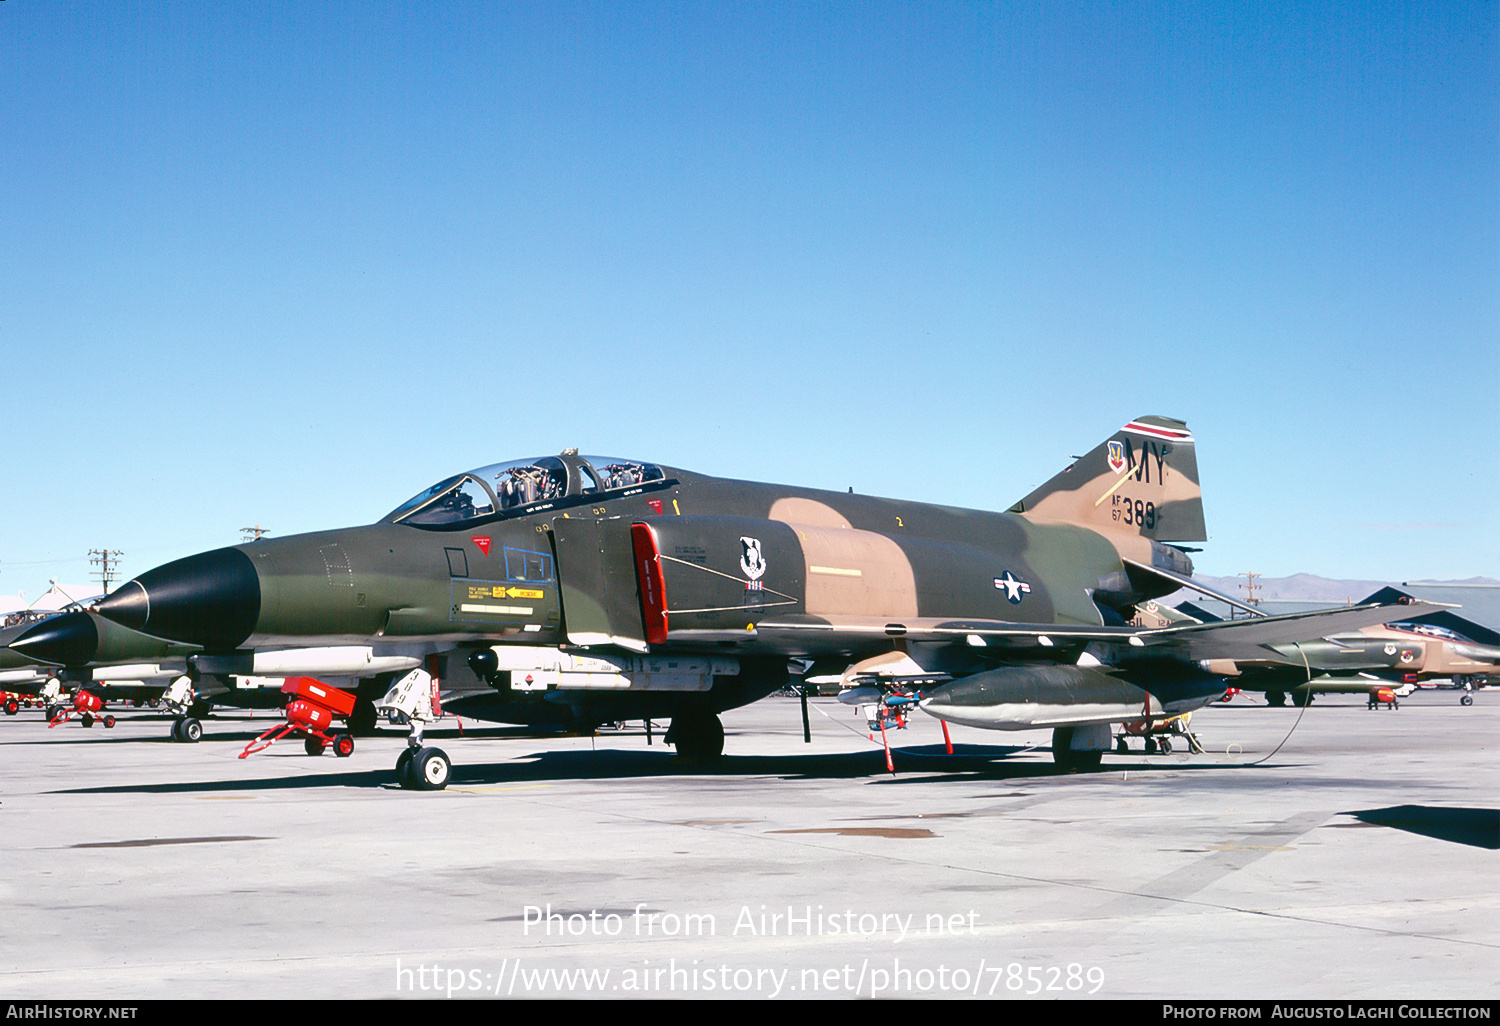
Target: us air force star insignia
[
  {"x": 1014, "y": 588},
  {"x": 751, "y": 559}
]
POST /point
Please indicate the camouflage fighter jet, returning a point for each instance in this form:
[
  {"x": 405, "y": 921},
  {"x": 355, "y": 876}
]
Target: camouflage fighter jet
[
  {"x": 1367, "y": 661},
  {"x": 577, "y": 590}
]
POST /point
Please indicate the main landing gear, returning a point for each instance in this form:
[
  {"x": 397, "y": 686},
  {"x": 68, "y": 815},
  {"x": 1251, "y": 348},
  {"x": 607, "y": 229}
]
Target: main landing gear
[
  {"x": 1079, "y": 749},
  {"x": 697, "y": 733}
]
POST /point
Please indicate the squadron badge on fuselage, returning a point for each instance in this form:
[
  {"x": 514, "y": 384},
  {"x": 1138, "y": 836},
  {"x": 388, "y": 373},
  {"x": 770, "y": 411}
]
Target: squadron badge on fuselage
[{"x": 752, "y": 560}]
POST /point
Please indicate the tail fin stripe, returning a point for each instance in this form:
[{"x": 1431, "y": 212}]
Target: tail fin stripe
[{"x": 1157, "y": 432}]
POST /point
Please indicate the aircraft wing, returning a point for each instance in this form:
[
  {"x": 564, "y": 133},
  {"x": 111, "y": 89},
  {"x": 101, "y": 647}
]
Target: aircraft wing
[
  {"x": 859, "y": 632},
  {"x": 1224, "y": 639}
]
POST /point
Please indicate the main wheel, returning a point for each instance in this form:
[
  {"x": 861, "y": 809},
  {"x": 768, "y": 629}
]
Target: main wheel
[
  {"x": 1070, "y": 761},
  {"x": 1466, "y": 700},
  {"x": 343, "y": 745},
  {"x": 192, "y": 730},
  {"x": 313, "y": 745},
  {"x": 430, "y": 769},
  {"x": 1276, "y": 698},
  {"x": 697, "y": 734}
]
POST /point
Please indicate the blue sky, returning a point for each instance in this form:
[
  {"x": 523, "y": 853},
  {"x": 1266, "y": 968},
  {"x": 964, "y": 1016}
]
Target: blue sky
[{"x": 288, "y": 263}]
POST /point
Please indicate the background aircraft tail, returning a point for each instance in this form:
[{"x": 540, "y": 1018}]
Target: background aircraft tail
[{"x": 1142, "y": 480}]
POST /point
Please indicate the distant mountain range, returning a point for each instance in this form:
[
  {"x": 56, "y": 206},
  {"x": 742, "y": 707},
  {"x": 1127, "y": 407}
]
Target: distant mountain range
[{"x": 1310, "y": 587}]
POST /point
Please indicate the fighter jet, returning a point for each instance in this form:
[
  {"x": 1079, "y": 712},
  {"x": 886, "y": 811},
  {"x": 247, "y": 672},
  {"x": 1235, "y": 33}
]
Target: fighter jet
[
  {"x": 576, "y": 590},
  {"x": 18, "y": 674},
  {"x": 83, "y": 650},
  {"x": 1368, "y": 661}
]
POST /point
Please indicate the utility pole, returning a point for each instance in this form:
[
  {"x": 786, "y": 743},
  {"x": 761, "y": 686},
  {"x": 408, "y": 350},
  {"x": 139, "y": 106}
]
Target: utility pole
[
  {"x": 105, "y": 560},
  {"x": 1250, "y": 587},
  {"x": 254, "y": 534}
]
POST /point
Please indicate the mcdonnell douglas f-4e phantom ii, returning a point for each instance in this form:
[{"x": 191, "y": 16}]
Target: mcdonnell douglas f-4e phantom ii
[{"x": 583, "y": 590}]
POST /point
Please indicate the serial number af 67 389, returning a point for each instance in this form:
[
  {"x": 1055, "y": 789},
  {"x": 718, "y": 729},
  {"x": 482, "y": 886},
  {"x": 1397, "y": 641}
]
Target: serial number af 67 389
[{"x": 1133, "y": 511}]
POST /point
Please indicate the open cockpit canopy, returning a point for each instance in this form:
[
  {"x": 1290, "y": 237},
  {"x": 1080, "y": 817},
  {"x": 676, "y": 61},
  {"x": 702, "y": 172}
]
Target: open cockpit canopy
[{"x": 524, "y": 486}]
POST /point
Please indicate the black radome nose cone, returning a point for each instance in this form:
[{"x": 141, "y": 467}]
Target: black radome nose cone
[
  {"x": 70, "y": 639},
  {"x": 127, "y": 606},
  {"x": 211, "y": 599}
]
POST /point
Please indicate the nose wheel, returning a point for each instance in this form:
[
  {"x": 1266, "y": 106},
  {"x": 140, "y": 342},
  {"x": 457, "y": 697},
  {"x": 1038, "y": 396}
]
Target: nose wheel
[
  {"x": 187, "y": 730},
  {"x": 423, "y": 769}
]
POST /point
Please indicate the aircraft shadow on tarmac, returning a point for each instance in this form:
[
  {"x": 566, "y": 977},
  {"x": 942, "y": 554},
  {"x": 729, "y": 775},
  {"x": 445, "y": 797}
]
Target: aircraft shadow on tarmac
[
  {"x": 1479, "y": 828},
  {"x": 919, "y": 764},
  {"x": 221, "y": 730}
]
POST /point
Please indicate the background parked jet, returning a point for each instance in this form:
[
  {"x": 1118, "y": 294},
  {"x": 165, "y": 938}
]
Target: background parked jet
[
  {"x": 1365, "y": 661},
  {"x": 84, "y": 650}
]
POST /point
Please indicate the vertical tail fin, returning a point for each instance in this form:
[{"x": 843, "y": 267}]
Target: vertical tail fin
[{"x": 1143, "y": 480}]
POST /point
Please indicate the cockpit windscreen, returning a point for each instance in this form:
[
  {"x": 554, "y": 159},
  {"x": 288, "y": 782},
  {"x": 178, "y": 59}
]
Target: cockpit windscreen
[{"x": 522, "y": 486}]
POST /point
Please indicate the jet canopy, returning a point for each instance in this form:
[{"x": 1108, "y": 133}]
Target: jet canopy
[
  {"x": 1432, "y": 630},
  {"x": 524, "y": 486}
]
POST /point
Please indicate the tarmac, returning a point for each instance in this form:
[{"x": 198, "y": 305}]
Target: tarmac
[{"x": 1335, "y": 853}]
